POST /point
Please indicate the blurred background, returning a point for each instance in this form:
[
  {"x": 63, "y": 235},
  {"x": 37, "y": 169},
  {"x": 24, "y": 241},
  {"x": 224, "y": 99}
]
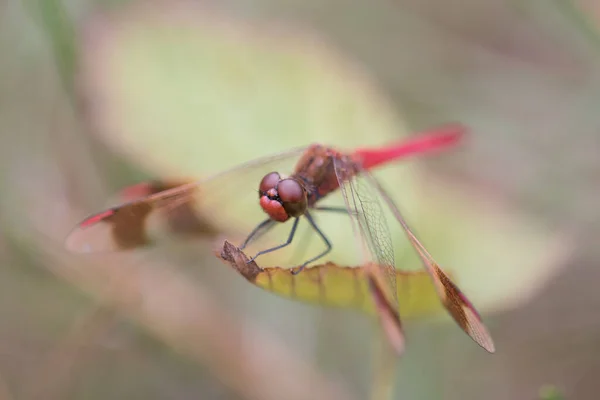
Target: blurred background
[{"x": 98, "y": 95}]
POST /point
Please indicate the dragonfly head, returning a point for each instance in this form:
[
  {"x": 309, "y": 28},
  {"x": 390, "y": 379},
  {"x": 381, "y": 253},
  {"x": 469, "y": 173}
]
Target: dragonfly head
[{"x": 282, "y": 198}]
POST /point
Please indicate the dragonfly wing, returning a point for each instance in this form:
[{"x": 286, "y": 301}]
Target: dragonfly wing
[
  {"x": 183, "y": 219},
  {"x": 457, "y": 304},
  {"x": 152, "y": 211},
  {"x": 366, "y": 210},
  {"x": 125, "y": 226},
  {"x": 370, "y": 228}
]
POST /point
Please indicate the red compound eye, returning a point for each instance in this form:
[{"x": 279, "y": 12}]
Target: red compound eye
[
  {"x": 293, "y": 197},
  {"x": 268, "y": 182},
  {"x": 290, "y": 191}
]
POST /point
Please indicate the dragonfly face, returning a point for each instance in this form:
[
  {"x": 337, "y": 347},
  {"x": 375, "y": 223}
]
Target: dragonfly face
[{"x": 282, "y": 199}]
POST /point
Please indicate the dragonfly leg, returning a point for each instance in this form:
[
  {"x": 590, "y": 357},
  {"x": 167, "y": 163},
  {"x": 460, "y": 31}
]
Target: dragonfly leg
[
  {"x": 333, "y": 209},
  {"x": 300, "y": 246},
  {"x": 266, "y": 224},
  {"x": 288, "y": 241},
  {"x": 342, "y": 210},
  {"x": 327, "y": 243}
]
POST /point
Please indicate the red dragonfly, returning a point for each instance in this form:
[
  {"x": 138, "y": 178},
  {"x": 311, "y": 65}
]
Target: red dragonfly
[{"x": 319, "y": 170}]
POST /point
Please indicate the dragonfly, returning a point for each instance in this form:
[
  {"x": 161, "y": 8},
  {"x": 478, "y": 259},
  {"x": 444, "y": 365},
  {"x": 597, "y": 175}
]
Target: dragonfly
[{"x": 318, "y": 170}]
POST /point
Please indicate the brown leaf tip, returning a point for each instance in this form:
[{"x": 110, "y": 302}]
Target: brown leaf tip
[{"x": 239, "y": 261}]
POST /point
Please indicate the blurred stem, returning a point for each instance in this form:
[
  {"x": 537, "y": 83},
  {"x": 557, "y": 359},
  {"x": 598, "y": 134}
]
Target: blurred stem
[
  {"x": 384, "y": 369},
  {"x": 60, "y": 30},
  {"x": 240, "y": 355}
]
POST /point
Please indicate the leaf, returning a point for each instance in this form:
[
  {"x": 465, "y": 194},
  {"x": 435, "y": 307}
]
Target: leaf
[
  {"x": 186, "y": 89},
  {"x": 335, "y": 285}
]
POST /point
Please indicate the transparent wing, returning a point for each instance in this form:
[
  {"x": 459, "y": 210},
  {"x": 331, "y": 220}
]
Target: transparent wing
[
  {"x": 455, "y": 302},
  {"x": 365, "y": 208},
  {"x": 370, "y": 228},
  {"x": 154, "y": 211}
]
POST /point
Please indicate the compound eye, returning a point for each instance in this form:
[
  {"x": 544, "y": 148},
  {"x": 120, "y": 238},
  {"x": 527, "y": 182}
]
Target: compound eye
[
  {"x": 291, "y": 191},
  {"x": 268, "y": 182}
]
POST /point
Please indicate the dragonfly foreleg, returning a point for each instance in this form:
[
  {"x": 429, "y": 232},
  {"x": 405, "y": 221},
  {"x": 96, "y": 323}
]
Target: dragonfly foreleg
[
  {"x": 288, "y": 241},
  {"x": 325, "y": 240},
  {"x": 264, "y": 226}
]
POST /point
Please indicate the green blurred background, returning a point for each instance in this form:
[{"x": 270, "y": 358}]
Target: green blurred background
[{"x": 98, "y": 95}]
